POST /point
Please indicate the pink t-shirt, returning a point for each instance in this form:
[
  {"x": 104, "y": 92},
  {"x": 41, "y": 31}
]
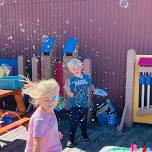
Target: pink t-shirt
[{"x": 44, "y": 125}]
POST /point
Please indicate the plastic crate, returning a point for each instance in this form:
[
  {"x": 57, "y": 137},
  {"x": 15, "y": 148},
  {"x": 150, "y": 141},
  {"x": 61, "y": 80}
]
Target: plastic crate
[
  {"x": 103, "y": 118},
  {"x": 11, "y": 83}
]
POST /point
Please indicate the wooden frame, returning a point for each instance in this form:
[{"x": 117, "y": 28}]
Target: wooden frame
[
  {"x": 18, "y": 98},
  {"x": 140, "y": 115},
  {"x": 14, "y": 124}
]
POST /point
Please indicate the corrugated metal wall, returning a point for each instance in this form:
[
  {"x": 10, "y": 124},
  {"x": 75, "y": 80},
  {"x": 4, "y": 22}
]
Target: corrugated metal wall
[{"x": 105, "y": 31}]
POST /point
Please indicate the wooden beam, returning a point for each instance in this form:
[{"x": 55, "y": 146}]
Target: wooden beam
[
  {"x": 130, "y": 86},
  {"x": 87, "y": 68},
  {"x": 34, "y": 69},
  {"x": 18, "y": 98},
  {"x": 121, "y": 125},
  {"x": 145, "y": 111},
  {"x": 145, "y": 69},
  {"x": 20, "y": 103},
  {"x": 14, "y": 124},
  {"x": 4, "y": 93},
  {"x": 45, "y": 67},
  {"x": 21, "y": 68}
]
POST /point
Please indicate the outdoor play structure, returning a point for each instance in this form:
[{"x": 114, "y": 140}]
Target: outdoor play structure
[
  {"x": 44, "y": 68},
  {"x": 138, "y": 100}
]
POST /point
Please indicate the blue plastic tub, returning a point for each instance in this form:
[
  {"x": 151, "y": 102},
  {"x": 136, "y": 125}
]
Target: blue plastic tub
[
  {"x": 103, "y": 118},
  {"x": 112, "y": 119},
  {"x": 11, "y": 83}
]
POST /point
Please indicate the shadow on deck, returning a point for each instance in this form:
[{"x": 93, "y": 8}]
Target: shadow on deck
[{"x": 100, "y": 136}]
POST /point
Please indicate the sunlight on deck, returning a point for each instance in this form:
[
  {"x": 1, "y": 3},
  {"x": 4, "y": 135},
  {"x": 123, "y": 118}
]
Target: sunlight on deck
[{"x": 16, "y": 134}]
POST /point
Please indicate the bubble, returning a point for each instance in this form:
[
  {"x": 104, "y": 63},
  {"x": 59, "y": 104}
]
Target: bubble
[
  {"x": 6, "y": 45},
  {"x": 67, "y": 22},
  {"x": 123, "y": 3},
  {"x": 64, "y": 32},
  {"x": 92, "y": 119},
  {"x": 34, "y": 47},
  {"x": 44, "y": 37},
  {"x": 2, "y": 2},
  {"x": 10, "y": 38},
  {"x": 28, "y": 60},
  {"x": 22, "y": 30},
  {"x": 20, "y": 24},
  {"x": 99, "y": 29},
  {"x": 91, "y": 20},
  {"x": 48, "y": 46}
]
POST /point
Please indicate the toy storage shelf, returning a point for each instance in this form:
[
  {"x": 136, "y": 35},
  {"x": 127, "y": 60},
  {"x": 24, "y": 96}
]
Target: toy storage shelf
[{"x": 142, "y": 100}]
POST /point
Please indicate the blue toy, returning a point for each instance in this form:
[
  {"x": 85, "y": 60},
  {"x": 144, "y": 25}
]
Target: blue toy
[
  {"x": 70, "y": 45},
  {"x": 103, "y": 118},
  {"x": 8, "y": 118},
  {"x": 112, "y": 119},
  {"x": 100, "y": 92},
  {"x": 60, "y": 102},
  {"x": 47, "y": 44}
]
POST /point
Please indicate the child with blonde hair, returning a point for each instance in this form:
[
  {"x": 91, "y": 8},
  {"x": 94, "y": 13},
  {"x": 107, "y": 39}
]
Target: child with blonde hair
[
  {"x": 76, "y": 88},
  {"x": 43, "y": 134}
]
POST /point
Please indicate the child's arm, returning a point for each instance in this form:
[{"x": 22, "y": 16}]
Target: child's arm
[
  {"x": 60, "y": 135},
  {"x": 67, "y": 88},
  {"x": 36, "y": 144}
]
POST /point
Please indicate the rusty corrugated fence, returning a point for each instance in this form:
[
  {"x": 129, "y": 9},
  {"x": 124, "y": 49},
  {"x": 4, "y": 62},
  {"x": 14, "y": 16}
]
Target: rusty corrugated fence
[{"x": 105, "y": 31}]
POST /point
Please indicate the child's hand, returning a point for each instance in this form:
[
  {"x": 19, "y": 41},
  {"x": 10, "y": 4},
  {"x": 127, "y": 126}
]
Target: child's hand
[
  {"x": 60, "y": 135},
  {"x": 71, "y": 95}
]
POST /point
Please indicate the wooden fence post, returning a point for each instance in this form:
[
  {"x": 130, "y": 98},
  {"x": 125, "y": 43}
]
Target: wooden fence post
[
  {"x": 87, "y": 66},
  {"x": 129, "y": 96},
  {"x": 34, "y": 69},
  {"x": 21, "y": 68},
  {"x": 46, "y": 67}
]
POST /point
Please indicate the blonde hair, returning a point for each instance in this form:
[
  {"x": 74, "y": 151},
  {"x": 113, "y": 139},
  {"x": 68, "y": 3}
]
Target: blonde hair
[
  {"x": 74, "y": 61},
  {"x": 38, "y": 90}
]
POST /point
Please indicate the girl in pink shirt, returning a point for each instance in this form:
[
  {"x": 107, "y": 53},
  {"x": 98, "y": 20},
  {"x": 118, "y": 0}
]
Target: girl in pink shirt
[{"x": 43, "y": 134}]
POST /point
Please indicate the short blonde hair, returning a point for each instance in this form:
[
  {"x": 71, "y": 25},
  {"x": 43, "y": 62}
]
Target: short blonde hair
[
  {"x": 38, "y": 90},
  {"x": 74, "y": 61}
]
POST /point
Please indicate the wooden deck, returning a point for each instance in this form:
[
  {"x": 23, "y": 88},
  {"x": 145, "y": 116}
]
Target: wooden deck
[{"x": 101, "y": 136}]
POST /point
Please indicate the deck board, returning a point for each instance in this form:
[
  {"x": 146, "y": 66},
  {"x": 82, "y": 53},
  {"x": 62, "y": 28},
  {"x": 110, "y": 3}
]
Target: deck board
[{"x": 100, "y": 136}]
